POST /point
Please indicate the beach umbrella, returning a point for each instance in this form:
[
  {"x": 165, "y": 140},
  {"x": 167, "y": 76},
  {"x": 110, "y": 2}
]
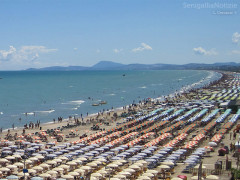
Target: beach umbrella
[
  {"x": 164, "y": 167},
  {"x": 11, "y": 166},
  {"x": 10, "y": 157},
  {"x": 28, "y": 161},
  {"x": 33, "y": 159},
  {"x": 79, "y": 171},
  {"x": 4, "y": 169},
  {"x": 51, "y": 162},
  {"x": 36, "y": 178},
  {"x": 92, "y": 164},
  {"x": 73, "y": 173},
  {"x": 134, "y": 167},
  {"x": 71, "y": 163},
  {"x": 102, "y": 171},
  {"x": 112, "y": 165},
  {"x": 44, "y": 165},
  {"x": 19, "y": 164},
  {"x": 212, "y": 177},
  {"x": 212, "y": 144},
  {"x": 38, "y": 168},
  {"x": 82, "y": 159},
  {"x": 129, "y": 170},
  {"x": 52, "y": 172},
  {"x": 12, "y": 177},
  {"x": 152, "y": 171},
  {"x": 144, "y": 178},
  {"x": 58, "y": 169},
  {"x": 125, "y": 173},
  {"x": 197, "y": 167},
  {"x": 86, "y": 167},
  {"x": 167, "y": 163},
  {"x": 45, "y": 175},
  {"x": 195, "y": 177},
  {"x": 17, "y": 156},
  {"x": 2, "y": 160},
  {"x": 21, "y": 174},
  {"x": 120, "y": 176},
  {"x": 96, "y": 174},
  {"x": 67, "y": 176},
  {"x": 176, "y": 178},
  {"x": 63, "y": 158},
  {"x": 32, "y": 171},
  {"x": 64, "y": 166},
  {"x": 148, "y": 174}
]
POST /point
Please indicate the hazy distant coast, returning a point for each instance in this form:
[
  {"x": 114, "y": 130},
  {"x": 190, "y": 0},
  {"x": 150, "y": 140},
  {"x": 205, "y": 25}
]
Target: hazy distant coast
[{"x": 109, "y": 65}]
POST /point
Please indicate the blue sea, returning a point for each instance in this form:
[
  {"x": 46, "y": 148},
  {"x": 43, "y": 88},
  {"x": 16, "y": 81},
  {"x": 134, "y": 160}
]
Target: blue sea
[{"x": 44, "y": 95}]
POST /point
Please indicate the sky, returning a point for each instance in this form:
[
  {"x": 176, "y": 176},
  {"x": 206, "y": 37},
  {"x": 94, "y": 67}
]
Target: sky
[{"x": 43, "y": 33}]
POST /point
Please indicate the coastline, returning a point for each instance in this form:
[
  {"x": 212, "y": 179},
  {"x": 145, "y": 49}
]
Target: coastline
[{"x": 118, "y": 110}]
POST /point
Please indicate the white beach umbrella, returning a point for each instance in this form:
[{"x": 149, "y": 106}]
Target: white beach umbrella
[
  {"x": 148, "y": 174},
  {"x": 129, "y": 170},
  {"x": 4, "y": 169},
  {"x": 11, "y": 166},
  {"x": 19, "y": 164},
  {"x": 144, "y": 178},
  {"x": 121, "y": 176},
  {"x": 2, "y": 160},
  {"x": 125, "y": 173},
  {"x": 152, "y": 171},
  {"x": 212, "y": 177},
  {"x": 176, "y": 178},
  {"x": 68, "y": 177},
  {"x": 112, "y": 165},
  {"x": 21, "y": 174},
  {"x": 45, "y": 175},
  {"x": 58, "y": 169},
  {"x": 52, "y": 172},
  {"x": 86, "y": 167},
  {"x": 92, "y": 164},
  {"x": 195, "y": 177},
  {"x": 32, "y": 171},
  {"x": 74, "y": 173},
  {"x": 71, "y": 163},
  {"x": 164, "y": 167},
  {"x": 79, "y": 171},
  {"x": 10, "y": 157},
  {"x": 64, "y": 166},
  {"x": 102, "y": 171},
  {"x": 96, "y": 175},
  {"x": 44, "y": 165},
  {"x": 38, "y": 168}
]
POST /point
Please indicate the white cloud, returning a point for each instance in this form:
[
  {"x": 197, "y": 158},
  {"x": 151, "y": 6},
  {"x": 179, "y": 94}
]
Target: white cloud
[
  {"x": 24, "y": 53},
  {"x": 143, "y": 47},
  {"x": 235, "y": 51},
  {"x": 202, "y": 51},
  {"x": 75, "y": 49},
  {"x": 98, "y": 51},
  {"x": 117, "y": 50},
  {"x": 235, "y": 37}
]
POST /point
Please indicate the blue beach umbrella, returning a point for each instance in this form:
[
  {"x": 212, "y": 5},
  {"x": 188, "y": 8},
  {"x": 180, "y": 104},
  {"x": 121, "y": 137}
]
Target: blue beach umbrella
[
  {"x": 12, "y": 177},
  {"x": 36, "y": 178}
]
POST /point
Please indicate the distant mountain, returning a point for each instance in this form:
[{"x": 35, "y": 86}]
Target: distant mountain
[
  {"x": 105, "y": 65},
  {"x": 109, "y": 65}
]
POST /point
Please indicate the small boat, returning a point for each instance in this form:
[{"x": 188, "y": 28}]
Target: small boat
[
  {"x": 95, "y": 104},
  {"x": 103, "y": 102}
]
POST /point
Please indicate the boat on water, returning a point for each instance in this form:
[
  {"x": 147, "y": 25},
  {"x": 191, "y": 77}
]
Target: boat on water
[
  {"x": 103, "y": 102},
  {"x": 95, "y": 104}
]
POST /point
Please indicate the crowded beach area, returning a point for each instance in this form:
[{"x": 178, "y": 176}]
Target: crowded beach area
[{"x": 191, "y": 135}]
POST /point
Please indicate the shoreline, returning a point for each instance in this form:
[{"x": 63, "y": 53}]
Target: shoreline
[{"x": 118, "y": 110}]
